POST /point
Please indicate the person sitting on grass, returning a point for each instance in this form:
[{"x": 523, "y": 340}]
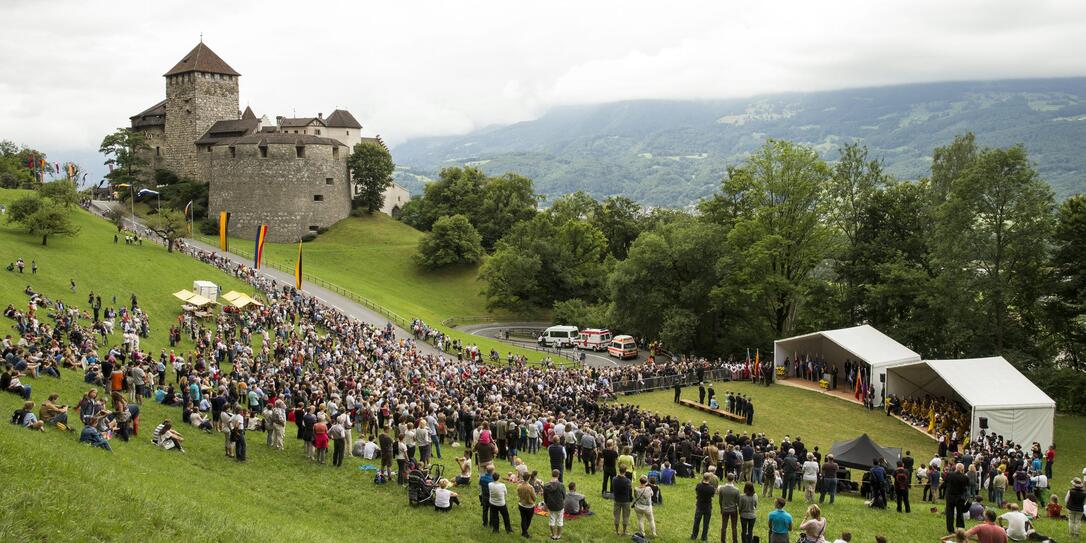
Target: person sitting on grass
[
  {"x": 1029, "y": 506},
  {"x": 444, "y": 498},
  {"x": 54, "y": 414},
  {"x": 976, "y": 509},
  {"x": 667, "y": 475},
  {"x": 94, "y": 438},
  {"x": 166, "y": 437},
  {"x": 26, "y": 418},
  {"x": 574, "y": 503},
  {"x": 1054, "y": 510}
]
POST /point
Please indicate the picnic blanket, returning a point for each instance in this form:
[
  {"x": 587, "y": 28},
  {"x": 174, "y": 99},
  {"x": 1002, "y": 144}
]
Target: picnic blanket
[{"x": 367, "y": 467}]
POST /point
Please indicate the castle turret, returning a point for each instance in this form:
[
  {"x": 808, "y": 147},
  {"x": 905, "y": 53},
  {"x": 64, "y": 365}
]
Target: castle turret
[{"x": 200, "y": 90}]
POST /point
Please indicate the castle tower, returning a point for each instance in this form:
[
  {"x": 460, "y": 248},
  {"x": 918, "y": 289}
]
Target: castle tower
[{"x": 200, "y": 90}]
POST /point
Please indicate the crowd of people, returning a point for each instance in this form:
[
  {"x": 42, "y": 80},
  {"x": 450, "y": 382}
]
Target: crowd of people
[{"x": 297, "y": 361}]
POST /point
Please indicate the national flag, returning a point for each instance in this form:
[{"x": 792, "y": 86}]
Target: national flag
[
  {"x": 258, "y": 251},
  {"x": 43, "y": 164},
  {"x": 71, "y": 170},
  {"x": 859, "y": 385},
  {"x": 30, "y": 162},
  {"x": 224, "y": 222},
  {"x": 298, "y": 268},
  {"x": 757, "y": 360}
]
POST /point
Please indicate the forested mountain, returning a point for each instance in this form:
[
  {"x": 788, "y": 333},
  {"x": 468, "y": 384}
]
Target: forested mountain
[{"x": 671, "y": 153}]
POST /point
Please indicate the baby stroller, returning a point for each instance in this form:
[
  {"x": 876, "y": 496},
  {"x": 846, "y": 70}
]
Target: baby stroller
[{"x": 421, "y": 484}]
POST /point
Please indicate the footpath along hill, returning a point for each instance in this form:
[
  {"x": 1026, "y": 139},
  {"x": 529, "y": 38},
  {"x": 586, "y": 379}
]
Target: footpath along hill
[{"x": 58, "y": 490}]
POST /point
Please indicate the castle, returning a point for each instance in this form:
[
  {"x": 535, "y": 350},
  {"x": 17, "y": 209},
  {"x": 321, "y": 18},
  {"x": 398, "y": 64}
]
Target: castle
[{"x": 290, "y": 174}]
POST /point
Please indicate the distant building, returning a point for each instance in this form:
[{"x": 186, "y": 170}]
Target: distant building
[{"x": 291, "y": 174}]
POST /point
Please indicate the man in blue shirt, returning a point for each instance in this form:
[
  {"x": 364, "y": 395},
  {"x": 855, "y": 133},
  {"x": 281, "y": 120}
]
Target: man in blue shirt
[
  {"x": 484, "y": 493},
  {"x": 780, "y": 523},
  {"x": 878, "y": 484}
]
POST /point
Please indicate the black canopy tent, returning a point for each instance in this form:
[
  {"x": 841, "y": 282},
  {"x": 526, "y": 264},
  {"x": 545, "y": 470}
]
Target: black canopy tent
[{"x": 860, "y": 452}]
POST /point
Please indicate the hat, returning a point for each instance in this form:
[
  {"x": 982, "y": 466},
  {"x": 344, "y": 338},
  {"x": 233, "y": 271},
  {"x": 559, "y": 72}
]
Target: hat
[{"x": 1076, "y": 483}]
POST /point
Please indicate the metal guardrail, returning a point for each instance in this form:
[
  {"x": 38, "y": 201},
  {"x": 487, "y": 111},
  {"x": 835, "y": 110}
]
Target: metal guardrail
[{"x": 458, "y": 320}]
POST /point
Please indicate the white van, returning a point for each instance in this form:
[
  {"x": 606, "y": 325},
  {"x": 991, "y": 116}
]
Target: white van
[{"x": 559, "y": 336}]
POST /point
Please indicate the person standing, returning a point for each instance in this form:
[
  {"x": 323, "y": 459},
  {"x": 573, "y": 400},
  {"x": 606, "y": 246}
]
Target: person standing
[
  {"x": 701, "y": 386},
  {"x": 957, "y": 494},
  {"x": 1074, "y": 501},
  {"x": 610, "y": 464},
  {"x": 748, "y": 513},
  {"x": 703, "y": 507},
  {"x": 557, "y": 454},
  {"x": 810, "y": 478},
  {"x": 485, "y": 478},
  {"x": 642, "y": 506},
  {"x": 901, "y": 486},
  {"x": 497, "y": 504},
  {"x": 339, "y": 442},
  {"x": 829, "y": 480},
  {"x": 554, "y": 498},
  {"x": 789, "y": 467},
  {"x": 526, "y": 500},
  {"x": 1050, "y": 458},
  {"x": 728, "y": 495},
  {"x": 780, "y": 523},
  {"x": 678, "y": 388},
  {"x": 622, "y": 488}
]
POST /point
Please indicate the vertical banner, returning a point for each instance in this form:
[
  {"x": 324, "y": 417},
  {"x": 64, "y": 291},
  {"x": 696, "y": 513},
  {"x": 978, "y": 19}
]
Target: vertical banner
[
  {"x": 224, "y": 229},
  {"x": 188, "y": 216},
  {"x": 258, "y": 251},
  {"x": 298, "y": 268}
]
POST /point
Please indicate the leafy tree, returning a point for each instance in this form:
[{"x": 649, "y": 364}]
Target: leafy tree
[
  {"x": 1066, "y": 311},
  {"x": 504, "y": 202},
  {"x": 62, "y": 192},
  {"x": 371, "y": 170},
  {"x": 619, "y": 219},
  {"x": 574, "y": 206},
  {"x": 170, "y": 224},
  {"x": 993, "y": 229},
  {"x": 50, "y": 220},
  {"x": 564, "y": 260},
  {"x": 14, "y": 170},
  {"x": 779, "y": 234},
  {"x": 453, "y": 240},
  {"x": 21, "y": 209},
  {"x": 579, "y": 313},
  {"x": 456, "y": 191},
  {"x": 124, "y": 149}
]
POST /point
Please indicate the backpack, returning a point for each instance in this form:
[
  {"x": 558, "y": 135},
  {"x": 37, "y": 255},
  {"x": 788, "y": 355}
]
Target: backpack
[{"x": 18, "y": 416}]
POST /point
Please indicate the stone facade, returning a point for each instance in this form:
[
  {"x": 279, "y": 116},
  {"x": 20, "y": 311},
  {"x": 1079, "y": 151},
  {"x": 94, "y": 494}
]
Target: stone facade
[
  {"x": 156, "y": 153},
  {"x": 194, "y": 102},
  {"x": 277, "y": 187}
]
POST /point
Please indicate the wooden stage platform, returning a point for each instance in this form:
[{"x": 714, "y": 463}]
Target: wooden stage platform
[{"x": 717, "y": 412}]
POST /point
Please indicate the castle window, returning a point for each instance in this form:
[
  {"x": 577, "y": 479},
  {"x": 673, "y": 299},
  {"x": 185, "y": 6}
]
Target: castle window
[
  {"x": 158, "y": 151},
  {"x": 208, "y": 148},
  {"x": 263, "y": 151},
  {"x": 318, "y": 197},
  {"x": 335, "y": 153},
  {"x": 318, "y": 131},
  {"x": 328, "y": 181},
  {"x": 314, "y": 228},
  {"x": 300, "y": 151},
  {"x": 233, "y": 152},
  {"x": 348, "y": 132}
]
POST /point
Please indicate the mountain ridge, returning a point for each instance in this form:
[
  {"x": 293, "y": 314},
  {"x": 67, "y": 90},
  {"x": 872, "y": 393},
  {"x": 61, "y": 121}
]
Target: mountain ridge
[{"x": 673, "y": 152}]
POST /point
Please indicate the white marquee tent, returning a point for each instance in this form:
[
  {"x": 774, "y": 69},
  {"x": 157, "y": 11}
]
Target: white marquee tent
[
  {"x": 859, "y": 343},
  {"x": 991, "y": 388}
]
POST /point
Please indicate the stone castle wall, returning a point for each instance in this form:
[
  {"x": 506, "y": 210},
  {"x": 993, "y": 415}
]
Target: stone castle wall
[
  {"x": 194, "y": 102},
  {"x": 277, "y": 190},
  {"x": 155, "y": 154}
]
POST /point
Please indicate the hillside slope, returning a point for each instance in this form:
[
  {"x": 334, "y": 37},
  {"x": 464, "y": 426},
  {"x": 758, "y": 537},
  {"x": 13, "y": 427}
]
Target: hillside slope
[{"x": 670, "y": 153}]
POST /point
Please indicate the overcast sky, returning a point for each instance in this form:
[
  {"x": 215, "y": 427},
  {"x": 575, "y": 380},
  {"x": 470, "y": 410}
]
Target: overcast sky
[{"x": 74, "y": 70}]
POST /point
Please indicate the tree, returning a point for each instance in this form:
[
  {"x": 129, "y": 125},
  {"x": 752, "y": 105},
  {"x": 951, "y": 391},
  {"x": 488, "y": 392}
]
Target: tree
[
  {"x": 619, "y": 220},
  {"x": 453, "y": 240},
  {"x": 61, "y": 191},
  {"x": 779, "y": 234},
  {"x": 50, "y": 221},
  {"x": 579, "y": 313},
  {"x": 504, "y": 202},
  {"x": 124, "y": 149},
  {"x": 1066, "y": 311},
  {"x": 15, "y": 170},
  {"x": 22, "y": 208},
  {"x": 993, "y": 231},
  {"x": 371, "y": 170},
  {"x": 117, "y": 216},
  {"x": 170, "y": 224}
]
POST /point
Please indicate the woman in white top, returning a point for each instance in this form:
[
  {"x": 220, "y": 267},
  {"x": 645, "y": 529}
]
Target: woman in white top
[
  {"x": 814, "y": 525},
  {"x": 497, "y": 504},
  {"x": 642, "y": 506},
  {"x": 409, "y": 440},
  {"x": 810, "y": 477}
]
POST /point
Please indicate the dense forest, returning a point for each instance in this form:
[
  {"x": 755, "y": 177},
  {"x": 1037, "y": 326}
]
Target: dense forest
[{"x": 974, "y": 259}]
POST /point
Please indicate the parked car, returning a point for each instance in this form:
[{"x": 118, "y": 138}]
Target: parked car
[
  {"x": 594, "y": 339},
  {"x": 623, "y": 347},
  {"x": 559, "y": 336}
]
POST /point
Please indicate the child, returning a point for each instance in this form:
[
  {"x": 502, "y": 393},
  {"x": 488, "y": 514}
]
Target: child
[{"x": 1054, "y": 509}]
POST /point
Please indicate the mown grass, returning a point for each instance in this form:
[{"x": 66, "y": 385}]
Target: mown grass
[
  {"x": 372, "y": 256},
  {"x": 54, "y": 489}
]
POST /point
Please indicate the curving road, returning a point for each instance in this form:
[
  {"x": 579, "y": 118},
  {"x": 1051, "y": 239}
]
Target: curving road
[{"x": 494, "y": 330}]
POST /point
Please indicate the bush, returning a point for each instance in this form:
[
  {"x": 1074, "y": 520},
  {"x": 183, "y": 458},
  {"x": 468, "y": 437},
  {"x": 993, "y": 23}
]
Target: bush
[
  {"x": 578, "y": 313},
  {"x": 309, "y": 236},
  {"x": 453, "y": 241},
  {"x": 209, "y": 227}
]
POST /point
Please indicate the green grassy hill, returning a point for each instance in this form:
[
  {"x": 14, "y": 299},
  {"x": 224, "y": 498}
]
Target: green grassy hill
[
  {"x": 371, "y": 256},
  {"x": 55, "y": 489}
]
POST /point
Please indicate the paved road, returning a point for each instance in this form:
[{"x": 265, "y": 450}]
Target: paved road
[
  {"x": 494, "y": 330},
  {"x": 341, "y": 303}
]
